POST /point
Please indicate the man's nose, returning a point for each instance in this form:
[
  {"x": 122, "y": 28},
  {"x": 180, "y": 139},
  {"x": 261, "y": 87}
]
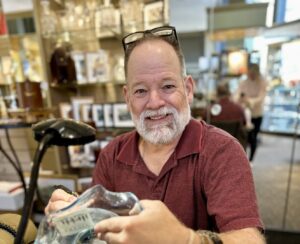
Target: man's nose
[{"x": 155, "y": 100}]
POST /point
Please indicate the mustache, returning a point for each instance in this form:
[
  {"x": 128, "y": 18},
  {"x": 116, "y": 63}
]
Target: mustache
[{"x": 159, "y": 112}]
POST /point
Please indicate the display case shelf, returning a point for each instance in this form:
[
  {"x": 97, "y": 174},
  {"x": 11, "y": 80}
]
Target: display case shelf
[{"x": 281, "y": 111}]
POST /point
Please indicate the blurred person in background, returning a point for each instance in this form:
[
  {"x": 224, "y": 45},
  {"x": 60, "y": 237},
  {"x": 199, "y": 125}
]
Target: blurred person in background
[
  {"x": 251, "y": 94},
  {"x": 228, "y": 115}
]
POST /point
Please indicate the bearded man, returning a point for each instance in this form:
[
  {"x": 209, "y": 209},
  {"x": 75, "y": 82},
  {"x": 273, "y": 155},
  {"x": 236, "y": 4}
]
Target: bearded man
[{"x": 194, "y": 179}]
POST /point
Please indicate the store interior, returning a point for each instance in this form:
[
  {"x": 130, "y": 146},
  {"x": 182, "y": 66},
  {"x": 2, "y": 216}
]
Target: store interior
[{"x": 64, "y": 59}]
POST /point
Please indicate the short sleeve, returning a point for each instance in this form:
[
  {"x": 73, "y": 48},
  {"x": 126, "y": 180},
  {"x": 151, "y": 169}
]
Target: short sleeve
[
  {"x": 229, "y": 186},
  {"x": 102, "y": 173}
]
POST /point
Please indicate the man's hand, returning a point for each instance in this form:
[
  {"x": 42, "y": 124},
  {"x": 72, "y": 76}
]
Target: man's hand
[
  {"x": 59, "y": 199},
  {"x": 155, "y": 224}
]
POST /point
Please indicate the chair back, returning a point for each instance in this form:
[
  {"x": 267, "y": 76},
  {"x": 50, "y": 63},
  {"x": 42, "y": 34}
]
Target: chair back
[{"x": 234, "y": 128}]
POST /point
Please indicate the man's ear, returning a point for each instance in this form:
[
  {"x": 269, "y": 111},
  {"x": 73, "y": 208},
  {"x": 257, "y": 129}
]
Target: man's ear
[
  {"x": 126, "y": 94},
  {"x": 189, "y": 87}
]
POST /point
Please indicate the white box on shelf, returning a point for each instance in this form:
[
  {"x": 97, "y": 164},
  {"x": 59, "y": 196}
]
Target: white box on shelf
[{"x": 12, "y": 201}]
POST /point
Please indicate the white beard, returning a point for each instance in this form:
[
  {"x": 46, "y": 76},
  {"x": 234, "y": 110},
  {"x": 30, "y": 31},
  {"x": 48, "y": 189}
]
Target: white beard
[{"x": 166, "y": 132}]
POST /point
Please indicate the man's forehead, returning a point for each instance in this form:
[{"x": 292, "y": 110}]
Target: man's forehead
[{"x": 152, "y": 44}]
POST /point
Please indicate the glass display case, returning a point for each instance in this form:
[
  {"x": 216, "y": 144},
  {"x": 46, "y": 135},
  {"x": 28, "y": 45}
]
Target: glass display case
[{"x": 281, "y": 110}]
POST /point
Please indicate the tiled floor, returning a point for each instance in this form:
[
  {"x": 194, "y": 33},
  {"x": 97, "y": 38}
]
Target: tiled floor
[{"x": 271, "y": 173}]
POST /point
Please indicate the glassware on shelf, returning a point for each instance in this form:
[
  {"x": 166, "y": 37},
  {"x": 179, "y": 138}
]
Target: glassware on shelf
[
  {"x": 132, "y": 15},
  {"x": 48, "y": 20}
]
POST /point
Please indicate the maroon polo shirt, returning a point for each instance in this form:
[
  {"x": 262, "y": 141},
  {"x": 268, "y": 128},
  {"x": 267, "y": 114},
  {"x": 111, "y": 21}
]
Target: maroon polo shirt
[{"x": 207, "y": 182}]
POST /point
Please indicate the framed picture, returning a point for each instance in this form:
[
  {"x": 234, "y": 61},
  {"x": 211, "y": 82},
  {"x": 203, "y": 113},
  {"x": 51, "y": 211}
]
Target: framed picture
[
  {"x": 77, "y": 102},
  {"x": 98, "y": 66},
  {"x": 98, "y": 115},
  {"x": 107, "y": 22},
  {"x": 84, "y": 155},
  {"x": 108, "y": 115},
  {"x": 80, "y": 66},
  {"x": 86, "y": 112},
  {"x": 153, "y": 15},
  {"x": 103, "y": 143},
  {"x": 81, "y": 156},
  {"x": 65, "y": 110},
  {"x": 121, "y": 115},
  {"x": 89, "y": 151}
]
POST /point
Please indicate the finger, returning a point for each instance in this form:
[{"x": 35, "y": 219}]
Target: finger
[
  {"x": 55, "y": 206},
  {"x": 150, "y": 204},
  {"x": 113, "y": 224},
  {"x": 111, "y": 238},
  {"x": 61, "y": 195}
]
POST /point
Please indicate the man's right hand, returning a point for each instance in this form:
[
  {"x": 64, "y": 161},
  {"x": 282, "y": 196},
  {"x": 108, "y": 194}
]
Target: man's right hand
[{"x": 59, "y": 199}]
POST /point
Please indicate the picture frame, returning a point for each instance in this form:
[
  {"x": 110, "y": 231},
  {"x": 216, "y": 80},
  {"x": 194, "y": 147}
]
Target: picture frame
[
  {"x": 98, "y": 68},
  {"x": 122, "y": 116},
  {"x": 108, "y": 115},
  {"x": 98, "y": 115},
  {"x": 103, "y": 143},
  {"x": 83, "y": 156},
  {"x": 77, "y": 102},
  {"x": 65, "y": 110},
  {"x": 80, "y": 66},
  {"x": 89, "y": 151},
  {"x": 86, "y": 112},
  {"x": 107, "y": 22},
  {"x": 153, "y": 15}
]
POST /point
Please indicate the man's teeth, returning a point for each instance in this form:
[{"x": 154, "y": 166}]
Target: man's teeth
[{"x": 157, "y": 117}]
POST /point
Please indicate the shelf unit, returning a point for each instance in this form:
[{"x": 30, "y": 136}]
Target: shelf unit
[{"x": 84, "y": 40}]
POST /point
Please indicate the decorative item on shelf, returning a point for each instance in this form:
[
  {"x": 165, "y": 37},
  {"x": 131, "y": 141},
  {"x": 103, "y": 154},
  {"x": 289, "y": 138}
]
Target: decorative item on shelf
[
  {"x": 48, "y": 20},
  {"x": 132, "y": 15},
  {"x": 32, "y": 63},
  {"x": 3, "y": 27},
  {"x": 7, "y": 67},
  {"x": 122, "y": 116},
  {"x": 3, "y": 110},
  {"x": 98, "y": 115},
  {"x": 83, "y": 156},
  {"x": 153, "y": 15},
  {"x": 98, "y": 68},
  {"x": 67, "y": 17},
  {"x": 166, "y": 12},
  {"x": 107, "y": 20},
  {"x": 29, "y": 94},
  {"x": 86, "y": 113},
  {"x": 62, "y": 65},
  {"x": 108, "y": 115},
  {"x": 80, "y": 65},
  {"x": 77, "y": 102},
  {"x": 119, "y": 74},
  {"x": 11, "y": 101},
  {"x": 65, "y": 110}
]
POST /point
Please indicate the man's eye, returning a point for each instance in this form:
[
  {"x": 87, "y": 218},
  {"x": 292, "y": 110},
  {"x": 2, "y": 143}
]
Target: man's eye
[
  {"x": 168, "y": 87},
  {"x": 139, "y": 91}
]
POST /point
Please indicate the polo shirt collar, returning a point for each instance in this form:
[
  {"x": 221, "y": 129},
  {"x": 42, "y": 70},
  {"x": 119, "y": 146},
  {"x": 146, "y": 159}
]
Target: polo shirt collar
[{"x": 189, "y": 143}]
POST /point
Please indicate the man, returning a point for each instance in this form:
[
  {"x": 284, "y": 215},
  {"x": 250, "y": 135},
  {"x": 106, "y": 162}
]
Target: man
[
  {"x": 229, "y": 115},
  {"x": 225, "y": 109},
  {"x": 200, "y": 174}
]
